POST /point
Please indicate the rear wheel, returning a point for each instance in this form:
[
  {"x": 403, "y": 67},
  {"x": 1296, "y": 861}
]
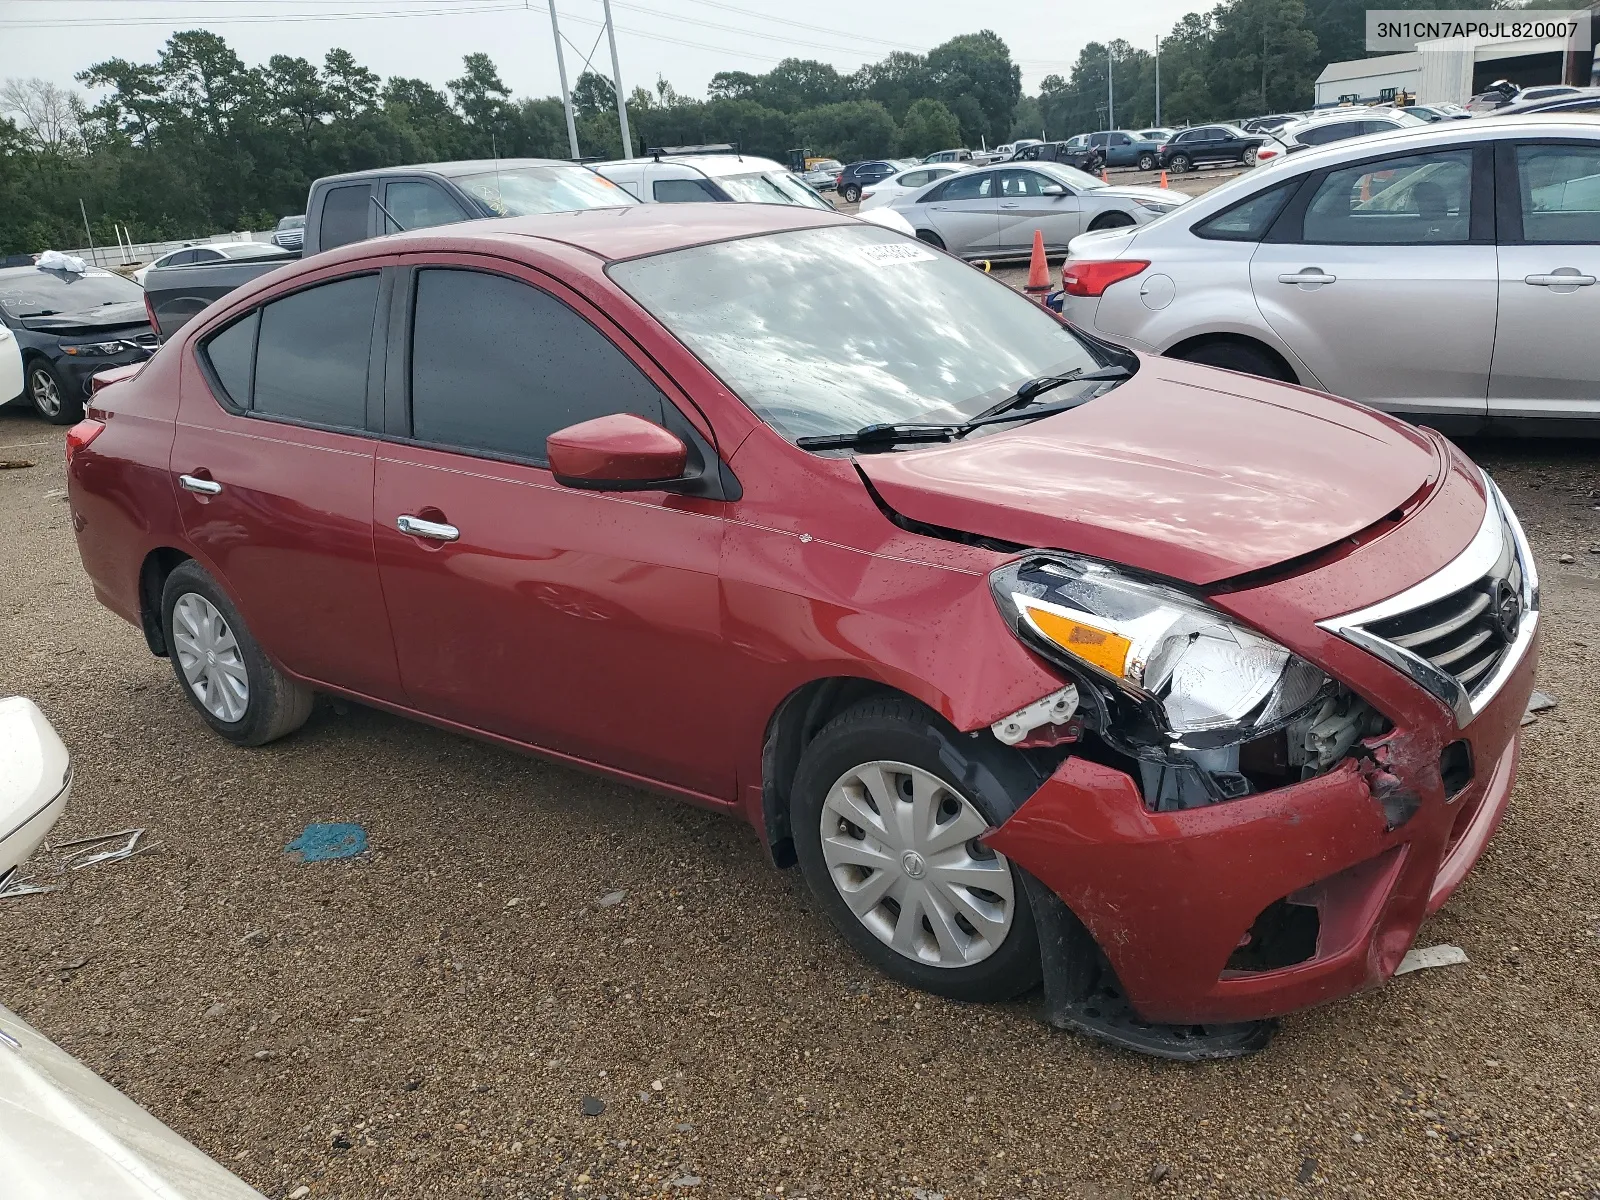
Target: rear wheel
[
  {"x": 1250, "y": 156},
  {"x": 1147, "y": 161},
  {"x": 888, "y": 841},
  {"x": 1179, "y": 163},
  {"x": 1238, "y": 356},
  {"x": 219, "y": 666},
  {"x": 850, "y": 193},
  {"x": 932, "y": 238},
  {"x": 50, "y": 397}
]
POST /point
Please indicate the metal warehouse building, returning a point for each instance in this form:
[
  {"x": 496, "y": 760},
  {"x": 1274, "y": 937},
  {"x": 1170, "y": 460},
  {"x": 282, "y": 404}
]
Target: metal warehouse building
[{"x": 1436, "y": 72}]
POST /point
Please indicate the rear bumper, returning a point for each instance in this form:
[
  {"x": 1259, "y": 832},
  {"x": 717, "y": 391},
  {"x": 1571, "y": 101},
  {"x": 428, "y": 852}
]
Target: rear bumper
[{"x": 1169, "y": 897}]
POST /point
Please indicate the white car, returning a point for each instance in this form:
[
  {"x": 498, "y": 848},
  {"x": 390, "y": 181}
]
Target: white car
[
  {"x": 714, "y": 173},
  {"x": 906, "y": 183},
  {"x": 212, "y": 252},
  {"x": 64, "y": 1131},
  {"x": 1381, "y": 270},
  {"x": 1332, "y": 125},
  {"x": 10, "y": 366}
]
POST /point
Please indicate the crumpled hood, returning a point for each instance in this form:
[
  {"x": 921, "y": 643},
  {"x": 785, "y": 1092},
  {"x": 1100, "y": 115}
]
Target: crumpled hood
[
  {"x": 107, "y": 316},
  {"x": 1189, "y": 472}
]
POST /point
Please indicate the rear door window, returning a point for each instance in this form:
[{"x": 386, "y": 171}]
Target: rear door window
[
  {"x": 1248, "y": 220},
  {"x": 312, "y": 354},
  {"x": 1560, "y": 190},
  {"x": 970, "y": 186},
  {"x": 344, "y": 215},
  {"x": 497, "y": 366},
  {"x": 1417, "y": 199},
  {"x": 231, "y": 354}
]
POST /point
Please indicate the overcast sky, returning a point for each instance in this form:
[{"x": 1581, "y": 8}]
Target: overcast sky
[{"x": 686, "y": 41}]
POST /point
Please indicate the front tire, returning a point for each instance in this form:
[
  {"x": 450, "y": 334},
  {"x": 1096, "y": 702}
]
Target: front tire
[
  {"x": 50, "y": 397},
  {"x": 888, "y": 807},
  {"x": 1111, "y": 220},
  {"x": 1180, "y": 163},
  {"x": 219, "y": 666},
  {"x": 1147, "y": 161}
]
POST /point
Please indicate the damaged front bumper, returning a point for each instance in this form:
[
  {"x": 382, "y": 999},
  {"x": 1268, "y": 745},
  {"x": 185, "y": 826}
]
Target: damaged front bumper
[{"x": 1276, "y": 901}]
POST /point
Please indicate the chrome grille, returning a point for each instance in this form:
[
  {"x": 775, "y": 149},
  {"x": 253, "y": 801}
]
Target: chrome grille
[{"x": 1460, "y": 632}]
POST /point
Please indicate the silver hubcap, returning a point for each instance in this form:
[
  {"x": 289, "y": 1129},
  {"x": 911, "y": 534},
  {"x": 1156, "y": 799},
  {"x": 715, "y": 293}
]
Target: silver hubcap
[
  {"x": 208, "y": 656},
  {"x": 46, "y": 396},
  {"x": 901, "y": 846}
]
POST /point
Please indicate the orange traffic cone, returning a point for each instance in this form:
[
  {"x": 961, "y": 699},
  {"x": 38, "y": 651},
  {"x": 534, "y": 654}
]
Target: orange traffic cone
[
  {"x": 1103, "y": 178},
  {"x": 1038, "y": 268},
  {"x": 1163, "y": 179}
]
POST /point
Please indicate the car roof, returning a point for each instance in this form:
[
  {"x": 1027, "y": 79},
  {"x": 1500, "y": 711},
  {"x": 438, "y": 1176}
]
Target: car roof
[
  {"x": 1423, "y": 137},
  {"x": 711, "y": 165},
  {"x": 452, "y": 170},
  {"x": 611, "y": 234}
]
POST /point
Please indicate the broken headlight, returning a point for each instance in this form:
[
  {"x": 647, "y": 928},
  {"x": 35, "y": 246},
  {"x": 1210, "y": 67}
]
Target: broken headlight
[{"x": 1170, "y": 671}]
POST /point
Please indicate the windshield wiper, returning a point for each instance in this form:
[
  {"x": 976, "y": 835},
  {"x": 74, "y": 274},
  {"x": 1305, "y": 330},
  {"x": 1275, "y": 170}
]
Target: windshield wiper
[{"x": 1013, "y": 408}]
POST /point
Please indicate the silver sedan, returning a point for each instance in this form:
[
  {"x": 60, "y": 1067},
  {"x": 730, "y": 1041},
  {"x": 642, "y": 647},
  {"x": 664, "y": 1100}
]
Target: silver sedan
[{"x": 993, "y": 212}]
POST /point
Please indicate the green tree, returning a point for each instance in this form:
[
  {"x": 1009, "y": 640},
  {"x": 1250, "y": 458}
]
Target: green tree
[
  {"x": 975, "y": 77},
  {"x": 928, "y": 126},
  {"x": 849, "y": 130}
]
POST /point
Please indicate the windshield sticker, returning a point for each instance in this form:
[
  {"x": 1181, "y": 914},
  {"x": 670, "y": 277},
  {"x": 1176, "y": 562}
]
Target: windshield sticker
[{"x": 893, "y": 254}]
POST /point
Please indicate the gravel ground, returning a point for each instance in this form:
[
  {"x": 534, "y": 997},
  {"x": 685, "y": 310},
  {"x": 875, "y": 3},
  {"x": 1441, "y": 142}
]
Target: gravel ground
[{"x": 429, "y": 1019}]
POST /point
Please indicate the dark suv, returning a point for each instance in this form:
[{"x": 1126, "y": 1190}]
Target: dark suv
[
  {"x": 1209, "y": 144},
  {"x": 1075, "y": 153},
  {"x": 863, "y": 174}
]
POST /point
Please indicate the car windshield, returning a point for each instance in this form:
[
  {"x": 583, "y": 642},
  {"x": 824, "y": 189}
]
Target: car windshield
[
  {"x": 771, "y": 187},
  {"x": 823, "y": 331},
  {"x": 292, "y": 223},
  {"x": 529, "y": 191},
  {"x": 46, "y": 293}
]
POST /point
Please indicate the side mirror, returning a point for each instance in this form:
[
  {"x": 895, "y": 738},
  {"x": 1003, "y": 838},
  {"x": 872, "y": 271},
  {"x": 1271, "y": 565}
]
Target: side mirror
[
  {"x": 1053, "y": 189},
  {"x": 618, "y": 453}
]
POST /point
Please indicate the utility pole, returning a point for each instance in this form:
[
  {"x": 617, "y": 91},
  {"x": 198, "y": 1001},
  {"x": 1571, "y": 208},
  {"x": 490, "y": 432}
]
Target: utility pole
[
  {"x": 1158, "y": 79},
  {"x": 1111, "y": 91},
  {"x": 566, "y": 94},
  {"x": 616, "y": 80}
]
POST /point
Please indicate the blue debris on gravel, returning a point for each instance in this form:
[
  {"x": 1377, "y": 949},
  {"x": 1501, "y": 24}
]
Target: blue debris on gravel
[{"x": 319, "y": 843}]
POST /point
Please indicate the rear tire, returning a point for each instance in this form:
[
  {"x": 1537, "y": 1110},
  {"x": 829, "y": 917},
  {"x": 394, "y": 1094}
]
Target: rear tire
[
  {"x": 1250, "y": 157},
  {"x": 1179, "y": 163},
  {"x": 50, "y": 397},
  {"x": 958, "y": 786},
  {"x": 932, "y": 238},
  {"x": 1238, "y": 356},
  {"x": 850, "y": 193},
  {"x": 220, "y": 667}
]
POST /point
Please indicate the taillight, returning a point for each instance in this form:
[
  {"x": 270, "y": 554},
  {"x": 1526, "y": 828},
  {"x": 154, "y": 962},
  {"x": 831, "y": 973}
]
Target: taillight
[
  {"x": 1161, "y": 149},
  {"x": 1263, "y": 154},
  {"x": 838, "y": 180},
  {"x": 1093, "y": 278},
  {"x": 80, "y": 435},
  {"x": 150, "y": 312}
]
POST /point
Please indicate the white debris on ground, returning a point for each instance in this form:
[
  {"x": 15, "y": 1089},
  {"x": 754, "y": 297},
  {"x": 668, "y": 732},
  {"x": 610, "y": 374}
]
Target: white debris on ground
[{"x": 1427, "y": 957}]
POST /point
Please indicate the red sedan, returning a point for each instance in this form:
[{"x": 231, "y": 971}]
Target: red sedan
[{"x": 1187, "y": 693}]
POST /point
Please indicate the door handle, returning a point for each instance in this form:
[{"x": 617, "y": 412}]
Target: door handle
[
  {"x": 1011, "y": 204},
  {"x": 193, "y": 483},
  {"x": 1562, "y": 277},
  {"x": 435, "y": 531},
  {"x": 1309, "y": 276}
]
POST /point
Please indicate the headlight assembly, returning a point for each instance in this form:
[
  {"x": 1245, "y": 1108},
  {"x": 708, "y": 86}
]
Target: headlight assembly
[
  {"x": 94, "y": 349},
  {"x": 1170, "y": 672}
]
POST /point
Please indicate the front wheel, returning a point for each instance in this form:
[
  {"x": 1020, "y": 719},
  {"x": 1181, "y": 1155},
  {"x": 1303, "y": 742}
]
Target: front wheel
[
  {"x": 1179, "y": 163},
  {"x": 1111, "y": 220},
  {"x": 850, "y": 193},
  {"x": 51, "y": 398},
  {"x": 219, "y": 666},
  {"x": 1147, "y": 162},
  {"x": 889, "y": 843}
]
